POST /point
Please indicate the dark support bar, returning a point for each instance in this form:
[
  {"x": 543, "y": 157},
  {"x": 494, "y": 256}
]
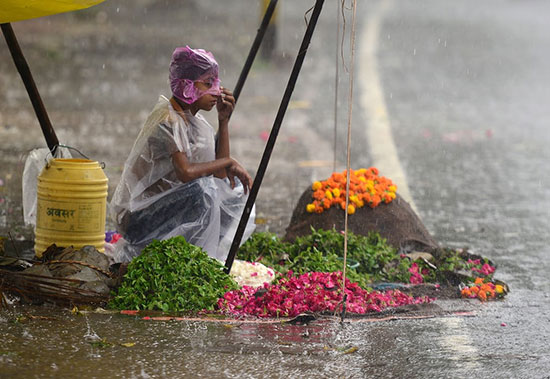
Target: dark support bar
[
  {"x": 25, "y": 72},
  {"x": 273, "y": 135},
  {"x": 253, "y": 51},
  {"x": 254, "y": 48}
]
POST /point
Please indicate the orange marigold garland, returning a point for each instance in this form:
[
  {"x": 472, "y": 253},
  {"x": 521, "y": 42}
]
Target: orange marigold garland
[
  {"x": 365, "y": 188},
  {"x": 483, "y": 290}
]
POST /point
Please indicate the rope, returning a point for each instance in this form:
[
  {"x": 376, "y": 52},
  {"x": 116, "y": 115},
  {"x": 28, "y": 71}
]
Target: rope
[
  {"x": 348, "y": 164},
  {"x": 102, "y": 164},
  {"x": 336, "y": 81}
]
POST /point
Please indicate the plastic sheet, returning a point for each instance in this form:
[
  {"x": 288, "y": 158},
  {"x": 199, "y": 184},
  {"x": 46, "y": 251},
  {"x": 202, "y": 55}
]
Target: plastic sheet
[
  {"x": 150, "y": 202},
  {"x": 189, "y": 66},
  {"x": 35, "y": 162}
]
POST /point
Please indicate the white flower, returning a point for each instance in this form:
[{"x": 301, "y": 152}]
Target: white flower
[{"x": 251, "y": 274}]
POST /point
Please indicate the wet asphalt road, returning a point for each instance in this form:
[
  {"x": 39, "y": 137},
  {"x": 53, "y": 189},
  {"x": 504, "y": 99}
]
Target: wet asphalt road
[
  {"x": 467, "y": 86},
  {"x": 467, "y": 89},
  {"x": 467, "y": 93}
]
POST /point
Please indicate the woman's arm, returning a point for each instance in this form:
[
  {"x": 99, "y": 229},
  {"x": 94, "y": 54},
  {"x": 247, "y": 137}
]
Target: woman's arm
[
  {"x": 187, "y": 171},
  {"x": 225, "y": 105},
  {"x": 222, "y": 146}
]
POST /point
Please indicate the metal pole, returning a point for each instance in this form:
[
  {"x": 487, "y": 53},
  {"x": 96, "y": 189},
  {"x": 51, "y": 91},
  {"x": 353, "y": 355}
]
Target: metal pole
[
  {"x": 254, "y": 48},
  {"x": 28, "y": 81},
  {"x": 273, "y": 135}
]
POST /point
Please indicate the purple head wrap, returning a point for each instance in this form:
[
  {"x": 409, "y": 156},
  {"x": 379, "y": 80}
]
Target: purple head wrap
[{"x": 189, "y": 66}]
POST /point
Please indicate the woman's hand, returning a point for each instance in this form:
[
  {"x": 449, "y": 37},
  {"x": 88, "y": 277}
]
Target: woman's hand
[
  {"x": 225, "y": 105},
  {"x": 236, "y": 170},
  {"x": 187, "y": 171}
]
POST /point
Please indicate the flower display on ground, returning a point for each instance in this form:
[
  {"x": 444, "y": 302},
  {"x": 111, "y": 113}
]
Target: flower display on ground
[
  {"x": 449, "y": 260},
  {"x": 365, "y": 188},
  {"x": 310, "y": 292},
  {"x": 252, "y": 274},
  {"x": 484, "y": 268},
  {"x": 483, "y": 290},
  {"x": 416, "y": 275}
]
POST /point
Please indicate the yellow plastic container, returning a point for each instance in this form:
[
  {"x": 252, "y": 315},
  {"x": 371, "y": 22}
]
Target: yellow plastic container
[{"x": 71, "y": 206}]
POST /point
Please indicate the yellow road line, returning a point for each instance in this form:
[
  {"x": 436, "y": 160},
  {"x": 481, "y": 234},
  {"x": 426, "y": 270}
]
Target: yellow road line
[
  {"x": 456, "y": 340},
  {"x": 378, "y": 131}
]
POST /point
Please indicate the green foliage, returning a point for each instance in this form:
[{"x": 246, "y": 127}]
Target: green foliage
[
  {"x": 451, "y": 260},
  {"x": 102, "y": 343},
  {"x": 263, "y": 247},
  {"x": 372, "y": 252},
  {"x": 322, "y": 251},
  {"x": 313, "y": 260},
  {"x": 172, "y": 275},
  {"x": 398, "y": 270}
]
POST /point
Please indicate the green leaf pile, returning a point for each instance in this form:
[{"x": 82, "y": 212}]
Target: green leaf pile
[
  {"x": 172, "y": 275},
  {"x": 375, "y": 260},
  {"x": 322, "y": 250}
]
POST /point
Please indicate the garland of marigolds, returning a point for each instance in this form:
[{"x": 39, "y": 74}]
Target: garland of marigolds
[
  {"x": 365, "y": 188},
  {"x": 483, "y": 290}
]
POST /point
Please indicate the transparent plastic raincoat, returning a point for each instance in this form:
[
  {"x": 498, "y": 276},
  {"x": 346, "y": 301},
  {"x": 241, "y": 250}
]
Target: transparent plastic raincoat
[{"x": 150, "y": 202}]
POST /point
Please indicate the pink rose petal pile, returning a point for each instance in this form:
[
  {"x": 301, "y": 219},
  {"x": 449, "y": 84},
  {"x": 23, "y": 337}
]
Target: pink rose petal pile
[
  {"x": 486, "y": 269},
  {"x": 310, "y": 292},
  {"x": 416, "y": 276}
]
